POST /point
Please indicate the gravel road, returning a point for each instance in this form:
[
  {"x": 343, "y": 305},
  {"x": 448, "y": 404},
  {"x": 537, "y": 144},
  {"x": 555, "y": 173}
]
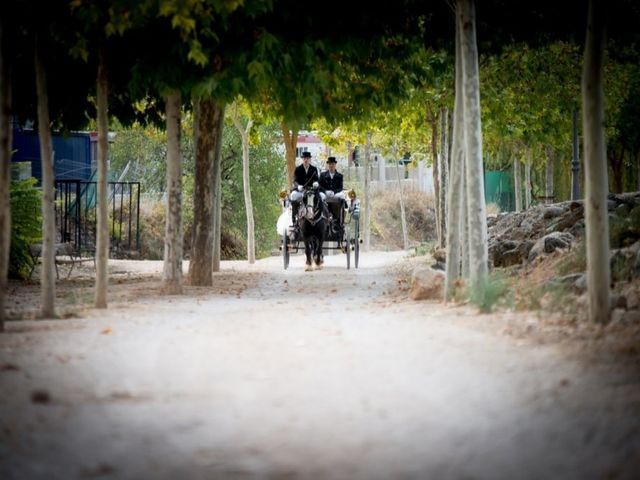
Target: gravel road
[{"x": 331, "y": 374}]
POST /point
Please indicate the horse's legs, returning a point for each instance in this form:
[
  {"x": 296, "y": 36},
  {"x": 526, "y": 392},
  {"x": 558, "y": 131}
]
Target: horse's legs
[
  {"x": 318, "y": 254},
  {"x": 307, "y": 252}
]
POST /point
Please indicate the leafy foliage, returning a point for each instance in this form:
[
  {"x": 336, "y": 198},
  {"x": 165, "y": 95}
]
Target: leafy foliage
[
  {"x": 267, "y": 176},
  {"x": 26, "y": 213}
]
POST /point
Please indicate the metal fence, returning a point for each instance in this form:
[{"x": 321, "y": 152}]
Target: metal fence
[{"x": 75, "y": 203}]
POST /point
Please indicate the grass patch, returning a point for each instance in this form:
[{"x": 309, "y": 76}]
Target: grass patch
[
  {"x": 574, "y": 261},
  {"x": 492, "y": 292},
  {"x": 423, "y": 249}
]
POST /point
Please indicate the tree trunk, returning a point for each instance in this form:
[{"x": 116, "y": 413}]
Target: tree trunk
[
  {"x": 527, "y": 179},
  {"x": 48, "y": 277},
  {"x": 517, "y": 181},
  {"x": 616, "y": 160},
  {"x": 246, "y": 180},
  {"x": 5, "y": 161},
  {"x": 466, "y": 241},
  {"x": 638, "y": 170},
  {"x": 367, "y": 204},
  {"x": 403, "y": 215},
  {"x": 548, "y": 176},
  {"x": 444, "y": 173},
  {"x": 217, "y": 196},
  {"x": 201, "y": 264},
  {"x": 172, "y": 271},
  {"x": 432, "y": 119},
  {"x": 476, "y": 209},
  {"x": 102, "y": 243},
  {"x": 597, "y": 222},
  {"x": 290, "y": 143},
  {"x": 456, "y": 205},
  {"x": 348, "y": 148}
]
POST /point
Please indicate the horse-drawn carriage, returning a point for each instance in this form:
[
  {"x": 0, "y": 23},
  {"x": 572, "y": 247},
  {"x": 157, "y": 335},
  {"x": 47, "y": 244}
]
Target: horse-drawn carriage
[{"x": 320, "y": 226}]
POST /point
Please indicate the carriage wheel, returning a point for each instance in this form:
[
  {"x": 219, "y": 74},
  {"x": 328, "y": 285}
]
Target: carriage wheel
[
  {"x": 356, "y": 243},
  {"x": 347, "y": 246},
  {"x": 285, "y": 250}
]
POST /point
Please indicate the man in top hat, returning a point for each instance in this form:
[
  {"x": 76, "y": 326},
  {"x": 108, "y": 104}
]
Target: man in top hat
[
  {"x": 304, "y": 176},
  {"x": 331, "y": 183}
]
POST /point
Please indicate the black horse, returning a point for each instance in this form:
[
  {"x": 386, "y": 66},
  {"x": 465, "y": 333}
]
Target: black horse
[{"x": 312, "y": 218}]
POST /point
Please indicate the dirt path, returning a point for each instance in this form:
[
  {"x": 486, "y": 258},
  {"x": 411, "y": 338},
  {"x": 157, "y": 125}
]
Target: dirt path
[{"x": 274, "y": 374}]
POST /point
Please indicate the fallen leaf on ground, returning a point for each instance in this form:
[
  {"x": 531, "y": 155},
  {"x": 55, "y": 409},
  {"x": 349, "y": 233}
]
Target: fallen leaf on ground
[
  {"x": 8, "y": 367},
  {"x": 107, "y": 331},
  {"x": 40, "y": 396}
]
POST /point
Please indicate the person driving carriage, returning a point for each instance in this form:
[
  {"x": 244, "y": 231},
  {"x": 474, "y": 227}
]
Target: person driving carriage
[
  {"x": 304, "y": 176},
  {"x": 331, "y": 183}
]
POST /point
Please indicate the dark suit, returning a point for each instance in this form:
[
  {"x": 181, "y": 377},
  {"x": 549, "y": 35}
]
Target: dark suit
[
  {"x": 306, "y": 179},
  {"x": 327, "y": 183}
]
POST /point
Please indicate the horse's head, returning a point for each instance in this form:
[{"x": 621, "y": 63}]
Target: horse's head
[{"x": 311, "y": 204}]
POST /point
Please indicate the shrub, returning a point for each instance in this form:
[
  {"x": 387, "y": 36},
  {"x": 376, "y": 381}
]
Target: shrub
[
  {"x": 486, "y": 295},
  {"x": 574, "y": 261},
  {"x": 26, "y": 225}
]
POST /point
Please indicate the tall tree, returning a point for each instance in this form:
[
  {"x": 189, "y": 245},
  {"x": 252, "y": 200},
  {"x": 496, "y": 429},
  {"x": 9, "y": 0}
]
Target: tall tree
[
  {"x": 403, "y": 216},
  {"x": 172, "y": 269},
  {"x": 367, "y": 186},
  {"x": 244, "y": 131},
  {"x": 102, "y": 241},
  {"x": 477, "y": 219},
  {"x": 290, "y": 138},
  {"x": 597, "y": 221},
  {"x": 47, "y": 278},
  {"x": 205, "y": 114},
  {"x": 217, "y": 198},
  {"x": 443, "y": 172},
  {"x": 456, "y": 195},
  {"x": 517, "y": 182},
  {"x": 5, "y": 160}
]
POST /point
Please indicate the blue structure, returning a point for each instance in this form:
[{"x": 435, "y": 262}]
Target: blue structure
[{"x": 72, "y": 155}]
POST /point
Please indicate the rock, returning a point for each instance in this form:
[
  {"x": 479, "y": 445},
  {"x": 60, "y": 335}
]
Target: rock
[
  {"x": 499, "y": 256},
  {"x": 634, "y": 248},
  {"x": 557, "y": 240},
  {"x": 620, "y": 316},
  {"x": 577, "y": 230},
  {"x": 580, "y": 284},
  {"x": 427, "y": 284},
  {"x": 576, "y": 282},
  {"x": 567, "y": 220},
  {"x": 439, "y": 266},
  {"x": 510, "y": 257},
  {"x": 631, "y": 317},
  {"x": 550, "y": 243},
  {"x": 552, "y": 212},
  {"x": 618, "y": 301},
  {"x": 440, "y": 255},
  {"x": 616, "y": 316},
  {"x": 623, "y": 210},
  {"x": 633, "y": 299},
  {"x": 527, "y": 227}
]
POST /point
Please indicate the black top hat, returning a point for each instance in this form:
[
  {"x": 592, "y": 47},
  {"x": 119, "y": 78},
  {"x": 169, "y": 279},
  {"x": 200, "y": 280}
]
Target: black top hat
[
  {"x": 306, "y": 154},
  {"x": 331, "y": 160}
]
